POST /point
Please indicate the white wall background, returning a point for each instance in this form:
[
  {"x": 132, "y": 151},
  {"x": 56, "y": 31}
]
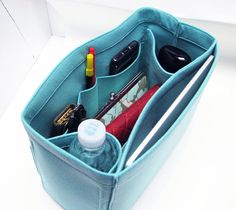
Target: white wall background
[
  {"x": 77, "y": 10},
  {"x": 79, "y": 20},
  {"x": 24, "y": 32},
  {"x": 214, "y": 10}
]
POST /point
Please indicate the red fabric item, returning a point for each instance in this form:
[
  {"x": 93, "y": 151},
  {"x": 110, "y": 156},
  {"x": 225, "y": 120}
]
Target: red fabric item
[{"x": 123, "y": 124}]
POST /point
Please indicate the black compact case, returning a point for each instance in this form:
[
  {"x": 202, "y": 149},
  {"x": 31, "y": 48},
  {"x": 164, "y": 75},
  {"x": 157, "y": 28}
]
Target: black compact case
[
  {"x": 124, "y": 58},
  {"x": 172, "y": 58}
]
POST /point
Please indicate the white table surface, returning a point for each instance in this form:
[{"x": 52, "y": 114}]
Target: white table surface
[{"x": 199, "y": 174}]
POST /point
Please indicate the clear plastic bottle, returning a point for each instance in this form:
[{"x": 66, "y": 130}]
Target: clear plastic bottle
[{"x": 91, "y": 146}]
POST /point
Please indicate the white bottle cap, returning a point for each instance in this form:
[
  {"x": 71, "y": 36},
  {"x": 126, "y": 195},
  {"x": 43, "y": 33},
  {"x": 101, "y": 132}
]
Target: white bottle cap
[{"x": 91, "y": 134}]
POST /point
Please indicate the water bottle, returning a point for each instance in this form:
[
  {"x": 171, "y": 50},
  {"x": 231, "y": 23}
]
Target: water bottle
[{"x": 92, "y": 147}]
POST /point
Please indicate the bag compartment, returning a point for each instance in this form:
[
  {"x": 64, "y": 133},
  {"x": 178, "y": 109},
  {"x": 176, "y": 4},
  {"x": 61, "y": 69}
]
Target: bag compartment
[
  {"x": 157, "y": 152},
  {"x": 64, "y": 177},
  {"x": 139, "y": 176},
  {"x": 67, "y": 180},
  {"x": 67, "y": 80},
  {"x": 159, "y": 104},
  {"x": 94, "y": 98},
  {"x": 64, "y": 141}
]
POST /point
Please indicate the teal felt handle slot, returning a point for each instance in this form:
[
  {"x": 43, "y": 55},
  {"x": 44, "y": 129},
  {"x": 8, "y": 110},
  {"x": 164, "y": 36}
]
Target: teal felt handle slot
[{"x": 95, "y": 98}]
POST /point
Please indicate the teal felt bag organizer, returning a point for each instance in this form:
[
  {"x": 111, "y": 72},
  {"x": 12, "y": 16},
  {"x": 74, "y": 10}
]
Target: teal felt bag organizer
[{"x": 72, "y": 183}]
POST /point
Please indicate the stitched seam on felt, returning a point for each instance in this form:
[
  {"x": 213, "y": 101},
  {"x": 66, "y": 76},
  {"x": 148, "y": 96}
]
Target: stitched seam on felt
[
  {"x": 128, "y": 179},
  {"x": 111, "y": 201},
  {"x": 99, "y": 197},
  {"x": 197, "y": 29},
  {"x": 177, "y": 34},
  {"x": 185, "y": 39},
  {"x": 190, "y": 41}
]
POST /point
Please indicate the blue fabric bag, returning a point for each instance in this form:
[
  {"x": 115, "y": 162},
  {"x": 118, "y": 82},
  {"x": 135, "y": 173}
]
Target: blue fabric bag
[{"x": 72, "y": 183}]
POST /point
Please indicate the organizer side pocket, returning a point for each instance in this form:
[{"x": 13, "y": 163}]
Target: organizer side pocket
[
  {"x": 154, "y": 71},
  {"x": 68, "y": 181},
  {"x": 65, "y": 140},
  {"x": 95, "y": 98},
  {"x": 158, "y": 105}
]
